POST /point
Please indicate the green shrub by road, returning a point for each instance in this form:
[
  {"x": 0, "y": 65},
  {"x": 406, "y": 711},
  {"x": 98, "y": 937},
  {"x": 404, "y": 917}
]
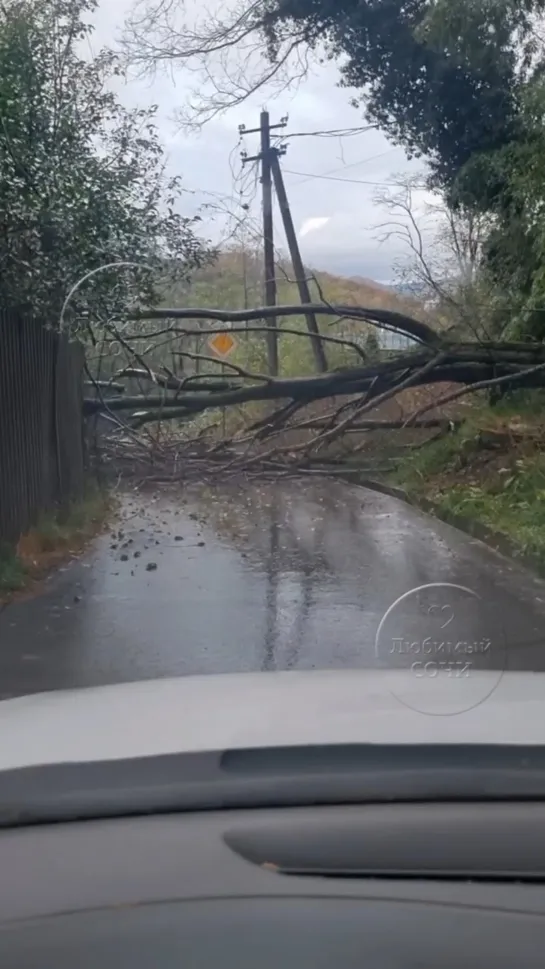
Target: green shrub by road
[
  {"x": 54, "y": 538},
  {"x": 491, "y": 471}
]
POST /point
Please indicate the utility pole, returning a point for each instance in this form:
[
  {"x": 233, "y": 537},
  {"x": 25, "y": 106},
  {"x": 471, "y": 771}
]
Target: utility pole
[
  {"x": 268, "y": 240},
  {"x": 265, "y": 157},
  {"x": 297, "y": 262},
  {"x": 244, "y": 275},
  {"x": 270, "y": 166}
]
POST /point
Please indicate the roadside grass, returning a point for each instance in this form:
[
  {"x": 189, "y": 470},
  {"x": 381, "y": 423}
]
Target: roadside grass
[
  {"x": 69, "y": 528},
  {"x": 413, "y": 471},
  {"x": 517, "y": 510},
  {"x": 500, "y": 484},
  {"x": 54, "y": 538},
  {"x": 13, "y": 574},
  {"x": 522, "y": 402}
]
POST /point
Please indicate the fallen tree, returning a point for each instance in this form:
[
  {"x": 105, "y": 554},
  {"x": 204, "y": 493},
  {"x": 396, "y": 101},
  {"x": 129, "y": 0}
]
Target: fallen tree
[{"x": 160, "y": 420}]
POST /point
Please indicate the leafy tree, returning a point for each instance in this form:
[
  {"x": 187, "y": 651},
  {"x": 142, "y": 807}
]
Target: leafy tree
[
  {"x": 441, "y": 78},
  {"x": 509, "y": 185},
  {"x": 457, "y": 82},
  {"x": 82, "y": 179}
]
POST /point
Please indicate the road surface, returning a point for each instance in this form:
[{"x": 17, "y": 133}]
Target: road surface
[{"x": 294, "y": 575}]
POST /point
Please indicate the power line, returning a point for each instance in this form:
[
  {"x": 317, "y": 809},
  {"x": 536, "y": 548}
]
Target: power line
[
  {"x": 332, "y": 178},
  {"x": 342, "y": 168},
  {"x": 332, "y": 132}
]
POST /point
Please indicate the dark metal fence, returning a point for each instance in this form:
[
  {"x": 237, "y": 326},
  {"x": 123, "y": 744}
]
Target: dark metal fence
[{"x": 41, "y": 443}]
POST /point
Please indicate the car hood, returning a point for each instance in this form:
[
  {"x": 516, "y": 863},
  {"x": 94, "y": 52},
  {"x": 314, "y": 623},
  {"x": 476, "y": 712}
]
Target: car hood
[{"x": 230, "y": 711}]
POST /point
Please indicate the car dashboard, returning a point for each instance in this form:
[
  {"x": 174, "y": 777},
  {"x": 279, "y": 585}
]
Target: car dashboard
[
  {"x": 385, "y": 886},
  {"x": 387, "y": 857}
]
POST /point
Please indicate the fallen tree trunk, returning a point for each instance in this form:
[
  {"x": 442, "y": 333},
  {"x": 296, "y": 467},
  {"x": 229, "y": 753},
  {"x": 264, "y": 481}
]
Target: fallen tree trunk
[
  {"x": 384, "y": 319},
  {"x": 372, "y": 381},
  {"x": 319, "y": 422},
  {"x": 158, "y": 424}
]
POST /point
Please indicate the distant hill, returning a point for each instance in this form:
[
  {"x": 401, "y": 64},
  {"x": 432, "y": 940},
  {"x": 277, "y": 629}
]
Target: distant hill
[
  {"x": 235, "y": 281},
  {"x": 373, "y": 283},
  {"x": 411, "y": 289},
  {"x": 363, "y": 292}
]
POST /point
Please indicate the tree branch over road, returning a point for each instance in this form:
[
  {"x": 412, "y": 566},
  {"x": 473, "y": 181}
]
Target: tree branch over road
[
  {"x": 385, "y": 319},
  {"x": 168, "y": 417}
]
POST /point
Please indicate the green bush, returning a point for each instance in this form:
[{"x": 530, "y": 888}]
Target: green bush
[{"x": 12, "y": 570}]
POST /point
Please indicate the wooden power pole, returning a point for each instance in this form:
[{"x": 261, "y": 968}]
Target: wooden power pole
[
  {"x": 265, "y": 157},
  {"x": 268, "y": 239},
  {"x": 297, "y": 262},
  {"x": 270, "y": 166}
]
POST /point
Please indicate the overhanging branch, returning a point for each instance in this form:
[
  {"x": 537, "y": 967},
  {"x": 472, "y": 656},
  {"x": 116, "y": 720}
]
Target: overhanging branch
[
  {"x": 174, "y": 402},
  {"x": 387, "y": 319}
]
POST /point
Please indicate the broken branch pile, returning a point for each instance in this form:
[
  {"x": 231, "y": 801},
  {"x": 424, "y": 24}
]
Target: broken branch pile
[{"x": 160, "y": 432}]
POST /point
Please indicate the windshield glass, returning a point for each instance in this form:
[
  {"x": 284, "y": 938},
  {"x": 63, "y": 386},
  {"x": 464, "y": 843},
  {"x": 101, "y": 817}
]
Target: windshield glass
[{"x": 272, "y": 382}]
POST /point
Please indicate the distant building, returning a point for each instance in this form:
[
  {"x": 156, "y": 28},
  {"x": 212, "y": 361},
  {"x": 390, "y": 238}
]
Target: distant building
[
  {"x": 385, "y": 340},
  {"x": 388, "y": 340}
]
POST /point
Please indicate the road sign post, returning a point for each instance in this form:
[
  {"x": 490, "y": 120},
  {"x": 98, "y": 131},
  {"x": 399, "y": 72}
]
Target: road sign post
[{"x": 222, "y": 344}]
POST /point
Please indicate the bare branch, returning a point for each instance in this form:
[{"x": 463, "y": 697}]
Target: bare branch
[
  {"x": 444, "y": 247},
  {"x": 387, "y": 319},
  {"x": 185, "y": 331},
  {"x": 241, "y": 371},
  {"x": 511, "y": 378},
  {"x": 224, "y": 50}
]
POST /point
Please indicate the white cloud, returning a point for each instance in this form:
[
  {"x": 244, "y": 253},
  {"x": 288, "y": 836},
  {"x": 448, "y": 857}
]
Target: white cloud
[{"x": 313, "y": 225}]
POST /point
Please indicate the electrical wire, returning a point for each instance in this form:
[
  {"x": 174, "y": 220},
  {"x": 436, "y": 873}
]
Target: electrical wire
[
  {"x": 333, "y": 178},
  {"x": 241, "y": 225},
  {"x": 331, "y": 133},
  {"x": 342, "y": 168}
]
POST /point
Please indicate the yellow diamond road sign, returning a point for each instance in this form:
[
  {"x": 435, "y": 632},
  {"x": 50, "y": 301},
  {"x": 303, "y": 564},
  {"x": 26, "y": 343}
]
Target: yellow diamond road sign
[{"x": 222, "y": 344}]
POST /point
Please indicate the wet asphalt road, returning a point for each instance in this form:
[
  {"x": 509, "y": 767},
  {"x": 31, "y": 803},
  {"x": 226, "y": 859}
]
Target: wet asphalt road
[{"x": 303, "y": 574}]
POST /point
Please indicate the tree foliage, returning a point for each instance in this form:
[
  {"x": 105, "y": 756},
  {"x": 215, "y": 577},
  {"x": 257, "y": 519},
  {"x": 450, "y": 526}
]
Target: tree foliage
[
  {"x": 83, "y": 180},
  {"x": 442, "y": 79},
  {"x": 509, "y": 185},
  {"x": 458, "y": 83}
]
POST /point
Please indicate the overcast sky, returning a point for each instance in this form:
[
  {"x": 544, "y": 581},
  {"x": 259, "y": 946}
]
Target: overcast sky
[{"x": 336, "y": 222}]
